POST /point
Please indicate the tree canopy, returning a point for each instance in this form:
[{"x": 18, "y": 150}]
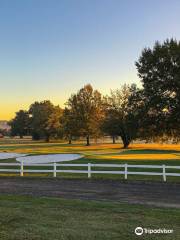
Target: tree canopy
[
  {"x": 121, "y": 118},
  {"x": 129, "y": 112},
  {"x": 159, "y": 71},
  {"x": 87, "y": 110},
  {"x": 20, "y": 125},
  {"x": 44, "y": 119}
]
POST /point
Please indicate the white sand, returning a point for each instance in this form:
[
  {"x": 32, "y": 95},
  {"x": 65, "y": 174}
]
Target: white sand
[
  {"x": 4, "y": 155},
  {"x": 50, "y": 158}
]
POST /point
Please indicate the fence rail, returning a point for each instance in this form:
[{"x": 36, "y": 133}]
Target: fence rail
[{"x": 126, "y": 169}]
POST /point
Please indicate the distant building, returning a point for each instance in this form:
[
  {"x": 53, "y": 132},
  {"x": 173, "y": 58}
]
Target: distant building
[{"x": 4, "y": 125}]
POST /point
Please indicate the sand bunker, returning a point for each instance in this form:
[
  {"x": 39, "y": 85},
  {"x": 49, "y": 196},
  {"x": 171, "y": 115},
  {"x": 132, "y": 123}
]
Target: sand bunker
[
  {"x": 4, "y": 155},
  {"x": 50, "y": 158}
]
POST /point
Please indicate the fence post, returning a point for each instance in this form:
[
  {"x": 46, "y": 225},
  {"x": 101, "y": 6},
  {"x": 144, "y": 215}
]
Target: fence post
[
  {"x": 125, "y": 170},
  {"x": 89, "y": 170},
  {"x": 54, "y": 173},
  {"x": 164, "y": 173},
  {"x": 22, "y": 169}
]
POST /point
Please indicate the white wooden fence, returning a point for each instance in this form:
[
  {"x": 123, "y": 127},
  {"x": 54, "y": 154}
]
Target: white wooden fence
[{"x": 90, "y": 169}]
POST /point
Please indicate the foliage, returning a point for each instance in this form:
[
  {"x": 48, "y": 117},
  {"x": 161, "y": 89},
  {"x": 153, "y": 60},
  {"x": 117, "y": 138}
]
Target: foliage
[
  {"x": 121, "y": 117},
  {"x": 87, "y": 110},
  {"x": 148, "y": 113},
  {"x": 20, "y": 124},
  {"x": 44, "y": 119},
  {"x": 159, "y": 70},
  {"x": 69, "y": 124}
]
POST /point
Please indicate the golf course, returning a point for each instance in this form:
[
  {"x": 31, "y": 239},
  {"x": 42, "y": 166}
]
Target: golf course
[
  {"x": 107, "y": 153},
  {"x": 37, "y": 206}
]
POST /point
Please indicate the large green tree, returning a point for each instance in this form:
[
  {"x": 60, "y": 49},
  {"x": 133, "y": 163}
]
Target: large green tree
[
  {"x": 121, "y": 118},
  {"x": 20, "y": 125},
  {"x": 87, "y": 110},
  {"x": 159, "y": 71},
  {"x": 45, "y": 120},
  {"x": 70, "y": 125}
]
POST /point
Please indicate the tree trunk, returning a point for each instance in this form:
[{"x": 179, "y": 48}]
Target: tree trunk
[
  {"x": 47, "y": 138},
  {"x": 87, "y": 141},
  {"x": 69, "y": 139},
  {"x": 114, "y": 139},
  {"x": 125, "y": 140},
  {"x": 126, "y": 144}
]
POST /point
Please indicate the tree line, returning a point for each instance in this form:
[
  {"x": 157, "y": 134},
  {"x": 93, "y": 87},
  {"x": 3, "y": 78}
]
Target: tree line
[{"x": 149, "y": 112}]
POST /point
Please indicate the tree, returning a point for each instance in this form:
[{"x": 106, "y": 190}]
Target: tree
[
  {"x": 110, "y": 126},
  {"x": 87, "y": 110},
  {"x": 121, "y": 118},
  {"x": 45, "y": 120},
  {"x": 54, "y": 126},
  {"x": 69, "y": 124},
  {"x": 20, "y": 124},
  {"x": 159, "y": 71}
]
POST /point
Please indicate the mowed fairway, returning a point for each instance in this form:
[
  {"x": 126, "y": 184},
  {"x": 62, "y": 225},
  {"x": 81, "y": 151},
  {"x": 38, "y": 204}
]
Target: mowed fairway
[
  {"x": 168, "y": 154},
  {"x": 97, "y": 151}
]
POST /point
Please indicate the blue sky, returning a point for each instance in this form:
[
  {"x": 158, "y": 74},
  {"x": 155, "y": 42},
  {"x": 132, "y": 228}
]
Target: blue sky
[{"x": 51, "y": 48}]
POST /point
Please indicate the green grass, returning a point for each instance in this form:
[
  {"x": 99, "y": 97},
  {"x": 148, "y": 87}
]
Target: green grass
[
  {"x": 101, "y": 153},
  {"x": 33, "y": 218},
  {"x": 148, "y": 151}
]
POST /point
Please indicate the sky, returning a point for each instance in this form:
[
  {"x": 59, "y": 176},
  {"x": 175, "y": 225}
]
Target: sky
[{"x": 51, "y": 48}]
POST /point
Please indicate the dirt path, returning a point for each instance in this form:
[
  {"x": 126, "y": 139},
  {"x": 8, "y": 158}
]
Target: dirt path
[{"x": 150, "y": 193}]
